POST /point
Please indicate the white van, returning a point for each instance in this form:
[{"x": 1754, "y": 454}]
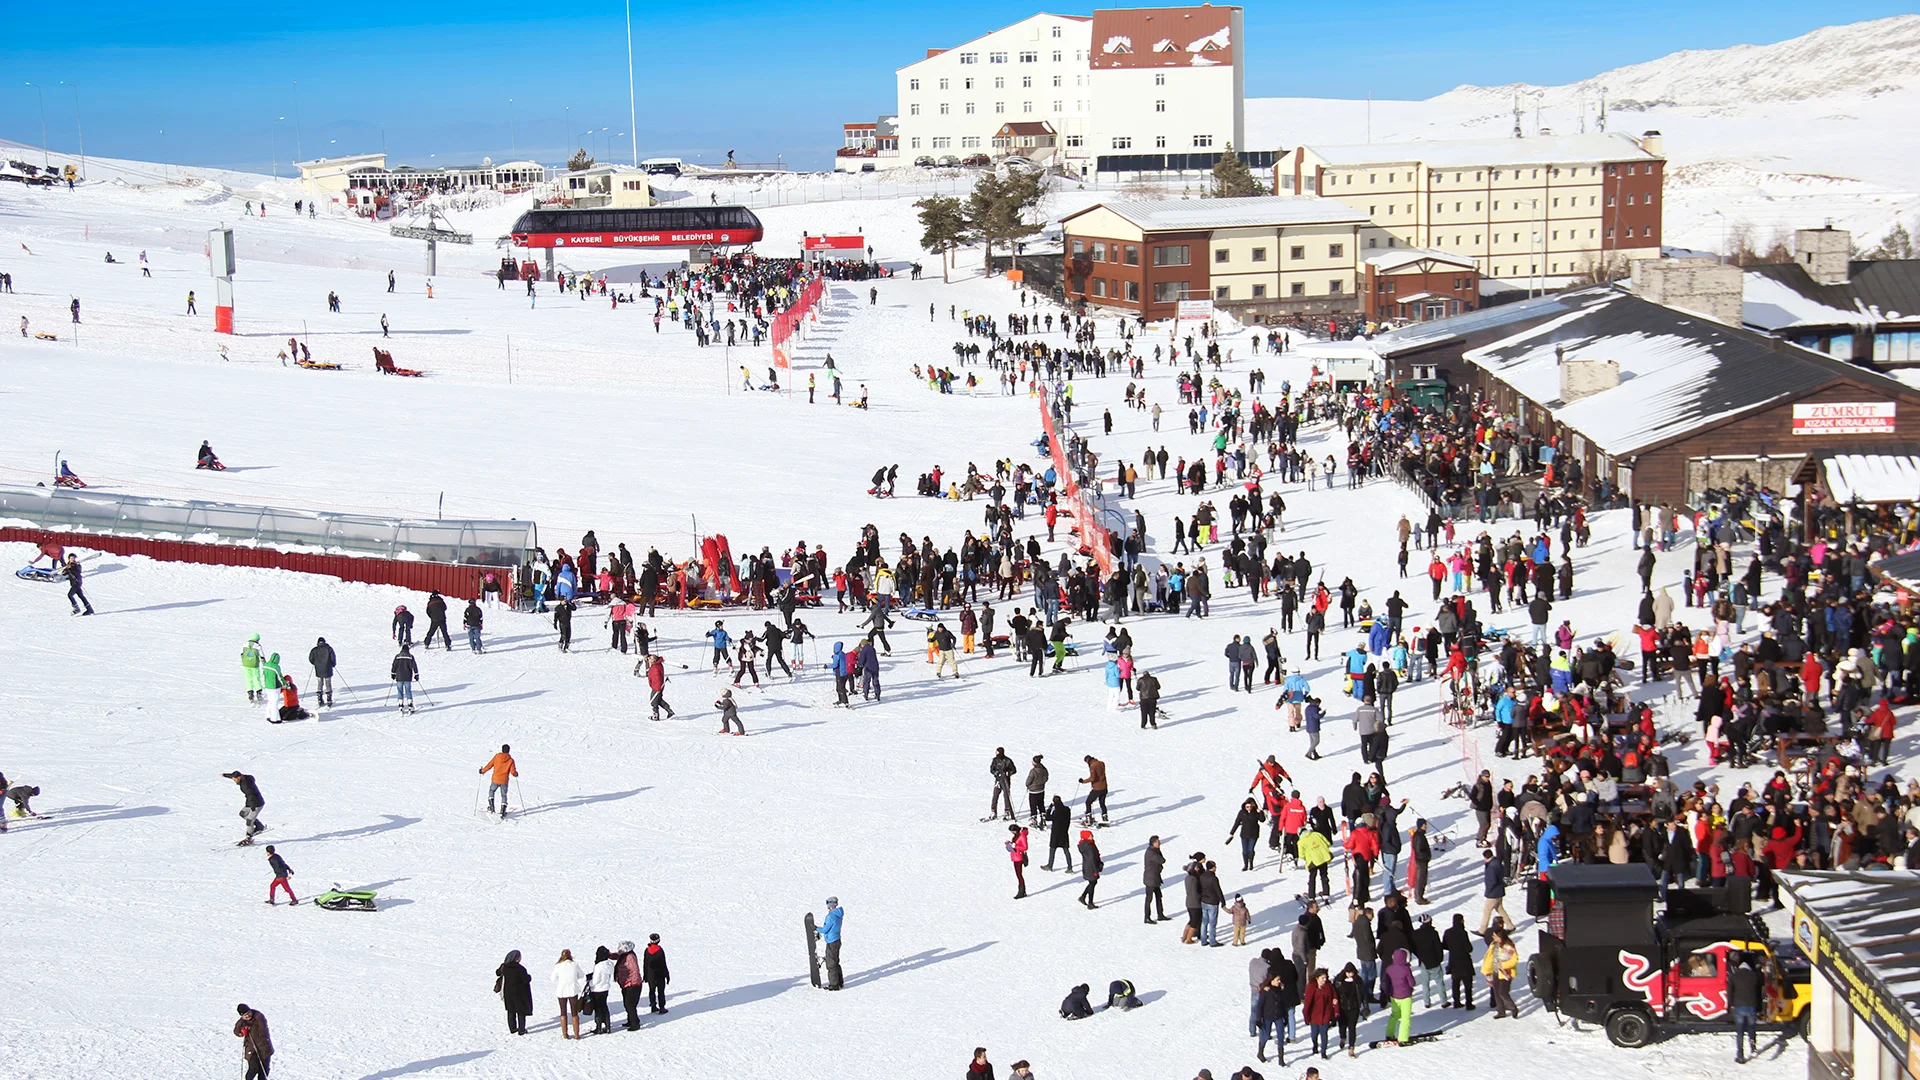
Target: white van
[{"x": 663, "y": 166}]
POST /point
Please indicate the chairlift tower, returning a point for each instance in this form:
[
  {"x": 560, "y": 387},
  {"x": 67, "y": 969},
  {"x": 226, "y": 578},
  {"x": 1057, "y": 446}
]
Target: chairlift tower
[{"x": 433, "y": 232}]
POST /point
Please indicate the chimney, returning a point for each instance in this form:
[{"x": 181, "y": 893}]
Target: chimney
[
  {"x": 1584, "y": 378},
  {"x": 1653, "y": 143},
  {"x": 1701, "y": 284},
  {"x": 1824, "y": 253}
]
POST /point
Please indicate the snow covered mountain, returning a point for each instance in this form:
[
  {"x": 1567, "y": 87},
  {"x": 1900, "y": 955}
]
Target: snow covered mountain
[
  {"x": 1858, "y": 59},
  {"x": 1761, "y": 139}
]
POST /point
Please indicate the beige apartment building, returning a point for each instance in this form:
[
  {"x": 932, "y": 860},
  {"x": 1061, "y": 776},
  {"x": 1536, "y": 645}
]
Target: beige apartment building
[{"x": 1539, "y": 208}]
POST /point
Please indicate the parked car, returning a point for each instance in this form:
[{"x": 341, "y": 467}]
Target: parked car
[
  {"x": 976, "y": 160},
  {"x": 866, "y": 166},
  {"x": 949, "y": 160},
  {"x": 925, "y": 161}
]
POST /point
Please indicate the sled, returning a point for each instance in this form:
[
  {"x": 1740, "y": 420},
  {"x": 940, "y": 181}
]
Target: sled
[
  {"x": 45, "y": 337},
  {"x": 35, "y": 573},
  {"x": 315, "y": 365},
  {"x": 212, "y": 464},
  {"x": 383, "y": 360},
  {"x": 920, "y": 614},
  {"x": 338, "y": 899}
]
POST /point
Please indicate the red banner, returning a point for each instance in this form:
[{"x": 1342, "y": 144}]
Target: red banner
[
  {"x": 785, "y": 323},
  {"x": 1075, "y": 501}
]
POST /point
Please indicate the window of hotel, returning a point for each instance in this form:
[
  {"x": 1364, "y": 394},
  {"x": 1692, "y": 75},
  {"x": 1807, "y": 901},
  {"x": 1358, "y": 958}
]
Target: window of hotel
[
  {"x": 1056, "y": 105},
  {"x": 1099, "y": 286},
  {"x": 1120, "y": 47},
  {"x": 1159, "y": 142},
  {"x": 1476, "y": 178},
  {"x": 1132, "y": 254},
  {"x": 914, "y": 143},
  {"x": 1259, "y": 254},
  {"x": 1259, "y": 292},
  {"x": 969, "y": 108},
  {"x": 943, "y": 108},
  {"x": 1123, "y": 142},
  {"x": 969, "y": 142},
  {"x": 1222, "y": 292},
  {"x": 1159, "y": 80},
  {"x": 1390, "y": 177},
  {"x": 1201, "y": 142},
  {"x": 999, "y": 83},
  {"x": 1371, "y": 177},
  {"x": 1056, "y": 59},
  {"x": 1026, "y": 82},
  {"x": 914, "y": 84},
  {"x": 1099, "y": 251},
  {"x": 1297, "y": 251},
  {"x": 1220, "y": 255},
  {"x": 1299, "y": 288},
  {"x": 942, "y": 142},
  {"x": 1170, "y": 255},
  {"x": 1159, "y": 106},
  {"x": 1056, "y": 80},
  {"x": 999, "y": 106},
  {"x": 913, "y": 110},
  {"x": 1476, "y": 206},
  {"x": 1335, "y": 287},
  {"x": 966, "y": 84},
  {"x": 1336, "y": 251},
  {"x": 1079, "y": 247},
  {"x": 1056, "y": 31},
  {"x": 1026, "y": 106},
  {"x": 1610, "y": 199},
  {"x": 1373, "y": 241},
  {"x": 969, "y": 58},
  {"x": 1029, "y": 57},
  {"x": 1133, "y": 291},
  {"x": 1073, "y": 140},
  {"x": 1166, "y": 292},
  {"x": 996, "y": 58},
  {"x": 1374, "y": 211}
]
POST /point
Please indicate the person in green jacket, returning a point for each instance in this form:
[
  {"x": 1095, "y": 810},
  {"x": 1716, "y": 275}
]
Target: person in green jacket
[
  {"x": 250, "y": 664},
  {"x": 269, "y": 675},
  {"x": 1315, "y": 854}
]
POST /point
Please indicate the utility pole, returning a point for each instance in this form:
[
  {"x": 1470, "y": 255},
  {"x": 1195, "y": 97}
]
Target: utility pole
[
  {"x": 77, "y": 129},
  {"x": 45, "y": 160},
  {"x": 633, "y": 121},
  {"x": 513, "y": 129}
]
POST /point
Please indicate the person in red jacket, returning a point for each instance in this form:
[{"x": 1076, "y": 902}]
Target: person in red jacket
[
  {"x": 657, "y": 683},
  {"x": 1880, "y": 733},
  {"x": 1017, "y": 851},
  {"x": 1320, "y": 1008},
  {"x": 1291, "y": 819},
  {"x": 1781, "y": 846}
]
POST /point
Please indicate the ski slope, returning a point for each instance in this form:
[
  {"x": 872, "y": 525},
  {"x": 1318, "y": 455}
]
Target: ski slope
[{"x": 134, "y": 924}]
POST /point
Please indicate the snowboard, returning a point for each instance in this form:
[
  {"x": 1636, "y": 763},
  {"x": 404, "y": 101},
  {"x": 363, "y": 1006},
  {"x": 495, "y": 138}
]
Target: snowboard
[
  {"x": 1413, "y": 1040},
  {"x": 813, "y": 950}
]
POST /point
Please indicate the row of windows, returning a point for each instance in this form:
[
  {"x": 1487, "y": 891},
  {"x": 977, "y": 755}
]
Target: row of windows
[
  {"x": 1000, "y": 107},
  {"x": 967, "y": 142},
  {"x": 1026, "y": 83},
  {"x": 1294, "y": 252},
  {"x": 1438, "y": 177},
  {"x": 1125, "y": 142},
  {"x": 1027, "y": 56},
  {"x": 1388, "y": 285},
  {"x": 1117, "y": 289},
  {"x": 1099, "y": 250}
]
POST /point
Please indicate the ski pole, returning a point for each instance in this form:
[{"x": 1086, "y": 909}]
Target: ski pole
[{"x": 423, "y": 693}]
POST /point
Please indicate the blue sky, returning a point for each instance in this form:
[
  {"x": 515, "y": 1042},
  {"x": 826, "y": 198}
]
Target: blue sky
[{"x": 204, "y": 84}]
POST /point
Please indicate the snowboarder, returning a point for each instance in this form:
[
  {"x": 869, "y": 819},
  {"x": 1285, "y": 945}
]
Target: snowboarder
[
  {"x": 323, "y": 659},
  {"x": 404, "y": 671},
  {"x": 256, "y": 1045},
  {"x": 21, "y": 796},
  {"x": 250, "y": 812},
  {"x": 75, "y": 596},
  {"x": 729, "y": 714},
  {"x": 437, "y": 620},
  {"x": 829, "y": 933},
  {"x": 503, "y": 768},
  {"x": 281, "y": 872}
]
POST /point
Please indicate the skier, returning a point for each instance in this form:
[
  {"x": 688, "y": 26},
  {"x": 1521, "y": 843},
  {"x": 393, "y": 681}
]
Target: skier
[
  {"x": 437, "y": 620},
  {"x": 473, "y": 619},
  {"x": 323, "y": 659},
  {"x": 250, "y": 812},
  {"x": 250, "y": 664},
  {"x": 251, "y": 1030},
  {"x": 402, "y": 630},
  {"x": 1001, "y": 768},
  {"x": 1096, "y": 781},
  {"x": 563, "y": 622},
  {"x": 1059, "y": 817},
  {"x": 503, "y": 768},
  {"x": 657, "y": 683},
  {"x": 829, "y": 932},
  {"x": 21, "y": 796},
  {"x": 729, "y": 714},
  {"x": 404, "y": 671},
  {"x": 719, "y": 639},
  {"x": 281, "y": 873},
  {"x": 75, "y": 596}
]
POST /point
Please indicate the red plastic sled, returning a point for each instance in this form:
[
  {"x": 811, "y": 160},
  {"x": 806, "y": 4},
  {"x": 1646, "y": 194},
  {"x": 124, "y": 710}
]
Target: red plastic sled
[{"x": 383, "y": 360}]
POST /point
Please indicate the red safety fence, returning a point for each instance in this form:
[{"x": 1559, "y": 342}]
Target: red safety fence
[
  {"x": 787, "y": 323},
  {"x": 1075, "y": 501},
  {"x": 452, "y": 580}
]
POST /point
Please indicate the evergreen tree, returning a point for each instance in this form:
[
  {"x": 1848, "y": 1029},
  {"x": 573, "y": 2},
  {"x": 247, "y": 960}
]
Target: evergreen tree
[
  {"x": 579, "y": 161},
  {"x": 1232, "y": 179},
  {"x": 997, "y": 209},
  {"x": 1897, "y": 244},
  {"x": 943, "y": 221}
]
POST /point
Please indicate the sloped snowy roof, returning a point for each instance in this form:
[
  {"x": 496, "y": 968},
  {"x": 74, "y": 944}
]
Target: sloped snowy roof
[
  {"x": 1678, "y": 371},
  {"x": 1394, "y": 258},
  {"x": 1259, "y": 211},
  {"x": 1470, "y": 153},
  {"x": 1440, "y": 331},
  {"x": 1873, "y": 478},
  {"x": 1782, "y": 296},
  {"x": 1876, "y": 916}
]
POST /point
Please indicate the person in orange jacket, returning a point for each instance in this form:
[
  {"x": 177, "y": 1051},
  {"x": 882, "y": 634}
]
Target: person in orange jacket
[
  {"x": 503, "y": 768},
  {"x": 290, "y": 702}
]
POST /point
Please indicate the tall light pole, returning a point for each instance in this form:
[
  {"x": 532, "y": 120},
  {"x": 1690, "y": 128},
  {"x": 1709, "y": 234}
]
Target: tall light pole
[
  {"x": 513, "y": 129},
  {"x": 77, "y": 129},
  {"x": 633, "y": 122},
  {"x": 44, "y": 159},
  {"x": 566, "y": 119}
]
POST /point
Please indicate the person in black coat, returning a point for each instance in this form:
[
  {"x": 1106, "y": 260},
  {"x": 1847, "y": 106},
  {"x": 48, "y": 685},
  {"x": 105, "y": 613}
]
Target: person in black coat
[
  {"x": 1076, "y": 1006},
  {"x": 1459, "y": 948},
  {"x": 1059, "y": 819},
  {"x": 1348, "y": 987},
  {"x": 653, "y": 969},
  {"x": 1090, "y": 866},
  {"x": 437, "y": 621},
  {"x": 1431, "y": 954},
  {"x": 1153, "y": 877},
  {"x": 515, "y": 987},
  {"x": 324, "y": 660}
]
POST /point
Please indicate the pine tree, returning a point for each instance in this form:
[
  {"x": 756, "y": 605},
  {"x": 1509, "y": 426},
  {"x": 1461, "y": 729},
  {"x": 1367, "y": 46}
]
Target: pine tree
[
  {"x": 997, "y": 208},
  {"x": 1232, "y": 179},
  {"x": 1897, "y": 244},
  {"x": 579, "y": 161},
  {"x": 943, "y": 222}
]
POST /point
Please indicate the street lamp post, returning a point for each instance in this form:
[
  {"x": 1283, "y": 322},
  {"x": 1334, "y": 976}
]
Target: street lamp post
[
  {"x": 513, "y": 129},
  {"x": 45, "y": 160},
  {"x": 78, "y": 131},
  {"x": 633, "y": 122}
]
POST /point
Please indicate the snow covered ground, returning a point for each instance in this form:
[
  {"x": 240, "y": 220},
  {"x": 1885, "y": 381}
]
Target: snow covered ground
[{"x": 134, "y": 925}]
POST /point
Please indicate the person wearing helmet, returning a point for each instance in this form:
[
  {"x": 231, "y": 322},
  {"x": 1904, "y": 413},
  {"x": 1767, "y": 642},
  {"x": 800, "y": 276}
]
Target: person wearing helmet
[
  {"x": 250, "y": 666},
  {"x": 403, "y": 626}
]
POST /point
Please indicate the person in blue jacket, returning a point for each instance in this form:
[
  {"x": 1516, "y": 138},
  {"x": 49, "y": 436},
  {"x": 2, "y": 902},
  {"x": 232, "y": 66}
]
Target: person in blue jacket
[
  {"x": 829, "y": 932},
  {"x": 1113, "y": 683},
  {"x": 1505, "y": 710},
  {"x": 1356, "y": 667},
  {"x": 719, "y": 639},
  {"x": 1544, "y": 852},
  {"x": 841, "y": 670},
  {"x": 1380, "y": 636},
  {"x": 869, "y": 671}
]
